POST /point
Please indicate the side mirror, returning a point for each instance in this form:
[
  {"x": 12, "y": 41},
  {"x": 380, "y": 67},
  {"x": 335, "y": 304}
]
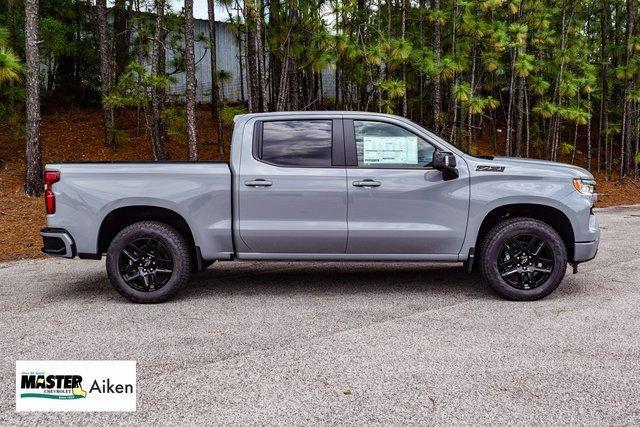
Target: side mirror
[{"x": 446, "y": 163}]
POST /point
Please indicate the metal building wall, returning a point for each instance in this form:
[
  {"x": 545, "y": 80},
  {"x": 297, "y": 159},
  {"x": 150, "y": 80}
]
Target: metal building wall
[
  {"x": 228, "y": 60},
  {"x": 227, "y": 57}
]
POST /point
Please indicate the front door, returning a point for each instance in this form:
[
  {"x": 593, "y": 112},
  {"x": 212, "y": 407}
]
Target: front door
[
  {"x": 398, "y": 204},
  {"x": 292, "y": 188}
]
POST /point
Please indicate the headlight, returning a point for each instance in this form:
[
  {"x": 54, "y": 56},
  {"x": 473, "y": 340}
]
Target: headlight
[{"x": 585, "y": 186}]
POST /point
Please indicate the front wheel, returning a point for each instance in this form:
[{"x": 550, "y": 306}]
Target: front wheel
[
  {"x": 147, "y": 262},
  {"x": 523, "y": 259}
]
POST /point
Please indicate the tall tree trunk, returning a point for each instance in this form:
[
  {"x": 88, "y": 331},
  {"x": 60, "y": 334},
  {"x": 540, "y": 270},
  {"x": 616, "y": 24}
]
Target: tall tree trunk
[
  {"x": 558, "y": 93},
  {"x": 190, "y": 79},
  {"x": 283, "y": 89},
  {"x": 33, "y": 182},
  {"x": 295, "y": 80},
  {"x": 337, "y": 73},
  {"x": 437, "y": 85},
  {"x": 404, "y": 65},
  {"x": 262, "y": 68},
  {"x": 624, "y": 132},
  {"x": 241, "y": 64},
  {"x": 625, "y": 149},
  {"x": 575, "y": 143},
  {"x": 275, "y": 64},
  {"x": 473, "y": 91},
  {"x": 602, "y": 126},
  {"x": 120, "y": 35},
  {"x": 155, "y": 121},
  {"x": 284, "y": 83},
  {"x": 520, "y": 122},
  {"x": 528, "y": 123},
  {"x": 362, "y": 17},
  {"x": 454, "y": 49},
  {"x": 421, "y": 7},
  {"x": 617, "y": 59},
  {"x": 636, "y": 159},
  {"x": 215, "y": 86},
  {"x": 508, "y": 143},
  {"x": 253, "y": 74},
  {"x": 589, "y": 142},
  {"x": 105, "y": 74}
]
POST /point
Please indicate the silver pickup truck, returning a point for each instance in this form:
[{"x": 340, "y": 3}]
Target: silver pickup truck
[{"x": 318, "y": 186}]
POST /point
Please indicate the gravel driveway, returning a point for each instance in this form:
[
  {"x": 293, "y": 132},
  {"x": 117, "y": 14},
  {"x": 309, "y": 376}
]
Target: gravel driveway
[{"x": 343, "y": 343}]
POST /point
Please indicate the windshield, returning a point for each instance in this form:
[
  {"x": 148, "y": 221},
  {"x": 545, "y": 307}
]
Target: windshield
[{"x": 462, "y": 150}]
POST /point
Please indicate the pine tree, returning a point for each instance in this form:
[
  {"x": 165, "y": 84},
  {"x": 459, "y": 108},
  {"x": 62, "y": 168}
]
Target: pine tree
[
  {"x": 190, "y": 79},
  {"x": 105, "y": 71},
  {"x": 215, "y": 87},
  {"x": 33, "y": 182}
]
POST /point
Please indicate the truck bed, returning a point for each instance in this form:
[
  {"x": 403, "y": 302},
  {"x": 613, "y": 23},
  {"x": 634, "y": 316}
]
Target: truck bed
[{"x": 200, "y": 192}]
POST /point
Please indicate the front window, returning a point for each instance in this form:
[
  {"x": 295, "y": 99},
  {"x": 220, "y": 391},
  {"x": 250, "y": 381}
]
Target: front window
[{"x": 385, "y": 145}]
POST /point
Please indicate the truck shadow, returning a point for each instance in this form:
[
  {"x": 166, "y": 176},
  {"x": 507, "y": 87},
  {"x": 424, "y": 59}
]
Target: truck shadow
[
  {"x": 318, "y": 279},
  {"x": 335, "y": 278}
]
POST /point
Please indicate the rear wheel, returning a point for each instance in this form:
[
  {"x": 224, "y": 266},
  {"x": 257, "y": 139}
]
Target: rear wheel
[
  {"x": 148, "y": 262},
  {"x": 523, "y": 259}
]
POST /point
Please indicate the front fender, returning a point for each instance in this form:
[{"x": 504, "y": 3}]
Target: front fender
[{"x": 494, "y": 191}]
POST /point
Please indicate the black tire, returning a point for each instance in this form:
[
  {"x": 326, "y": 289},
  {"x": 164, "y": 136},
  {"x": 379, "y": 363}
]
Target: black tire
[
  {"x": 504, "y": 249},
  {"x": 139, "y": 253}
]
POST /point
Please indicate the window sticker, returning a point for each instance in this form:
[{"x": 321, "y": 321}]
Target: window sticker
[{"x": 390, "y": 150}]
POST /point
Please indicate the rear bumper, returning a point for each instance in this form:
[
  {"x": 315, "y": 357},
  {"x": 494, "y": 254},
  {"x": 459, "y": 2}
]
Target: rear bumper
[{"x": 58, "y": 242}]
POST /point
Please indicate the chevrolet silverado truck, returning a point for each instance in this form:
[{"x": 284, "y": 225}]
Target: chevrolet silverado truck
[{"x": 320, "y": 186}]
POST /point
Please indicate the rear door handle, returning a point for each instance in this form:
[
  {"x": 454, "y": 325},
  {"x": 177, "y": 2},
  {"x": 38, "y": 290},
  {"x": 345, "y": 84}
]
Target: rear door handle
[
  {"x": 367, "y": 183},
  {"x": 258, "y": 183}
]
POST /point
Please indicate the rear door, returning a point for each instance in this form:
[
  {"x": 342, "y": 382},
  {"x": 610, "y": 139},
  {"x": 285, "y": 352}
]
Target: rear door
[
  {"x": 292, "y": 187},
  {"x": 399, "y": 204}
]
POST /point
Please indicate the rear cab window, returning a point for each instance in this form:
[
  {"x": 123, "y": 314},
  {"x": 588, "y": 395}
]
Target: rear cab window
[{"x": 296, "y": 143}]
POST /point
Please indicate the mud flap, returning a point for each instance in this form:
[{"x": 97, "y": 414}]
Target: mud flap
[
  {"x": 468, "y": 264},
  {"x": 574, "y": 265}
]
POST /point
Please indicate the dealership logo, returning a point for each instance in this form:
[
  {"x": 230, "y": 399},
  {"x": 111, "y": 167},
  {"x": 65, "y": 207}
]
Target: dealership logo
[
  {"x": 52, "y": 386},
  {"x": 75, "y": 385}
]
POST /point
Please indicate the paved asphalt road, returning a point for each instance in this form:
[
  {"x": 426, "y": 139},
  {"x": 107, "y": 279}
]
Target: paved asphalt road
[{"x": 343, "y": 343}]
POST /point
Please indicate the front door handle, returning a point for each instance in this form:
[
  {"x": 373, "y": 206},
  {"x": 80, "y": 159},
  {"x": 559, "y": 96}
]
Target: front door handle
[
  {"x": 258, "y": 183},
  {"x": 367, "y": 183}
]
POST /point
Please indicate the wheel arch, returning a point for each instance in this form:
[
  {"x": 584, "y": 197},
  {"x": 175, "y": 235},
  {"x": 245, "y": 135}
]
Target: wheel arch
[
  {"x": 120, "y": 218},
  {"x": 550, "y": 215}
]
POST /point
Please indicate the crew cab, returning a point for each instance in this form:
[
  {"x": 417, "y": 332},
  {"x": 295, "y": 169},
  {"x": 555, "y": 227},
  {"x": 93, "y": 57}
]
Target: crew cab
[{"x": 319, "y": 186}]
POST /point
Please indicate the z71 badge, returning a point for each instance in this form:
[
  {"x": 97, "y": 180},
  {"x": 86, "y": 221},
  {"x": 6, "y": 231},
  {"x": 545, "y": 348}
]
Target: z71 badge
[{"x": 487, "y": 168}]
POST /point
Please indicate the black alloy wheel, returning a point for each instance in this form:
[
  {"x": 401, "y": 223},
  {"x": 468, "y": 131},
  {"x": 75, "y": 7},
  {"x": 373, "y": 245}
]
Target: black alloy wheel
[
  {"x": 148, "y": 262},
  {"x": 145, "y": 264},
  {"x": 525, "y": 261}
]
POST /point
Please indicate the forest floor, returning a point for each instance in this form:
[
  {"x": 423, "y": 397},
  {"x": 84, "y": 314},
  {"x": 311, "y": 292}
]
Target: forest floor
[{"x": 76, "y": 135}]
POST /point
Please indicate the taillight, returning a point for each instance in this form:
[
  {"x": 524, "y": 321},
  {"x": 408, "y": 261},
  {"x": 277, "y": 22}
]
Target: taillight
[{"x": 50, "y": 177}]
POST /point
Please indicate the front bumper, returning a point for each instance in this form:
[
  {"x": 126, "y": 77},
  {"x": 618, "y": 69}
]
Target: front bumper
[
  {"x": 586, "y": 251},
  {"x": 58, "y": 242}
]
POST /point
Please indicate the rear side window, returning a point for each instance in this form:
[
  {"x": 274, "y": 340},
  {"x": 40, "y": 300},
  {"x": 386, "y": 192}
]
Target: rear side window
[{"x": 304, "y": 143}]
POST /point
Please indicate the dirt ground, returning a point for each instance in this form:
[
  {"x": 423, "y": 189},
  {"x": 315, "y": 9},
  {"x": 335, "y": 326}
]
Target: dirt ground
[{"x": 76, "y": 135}]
